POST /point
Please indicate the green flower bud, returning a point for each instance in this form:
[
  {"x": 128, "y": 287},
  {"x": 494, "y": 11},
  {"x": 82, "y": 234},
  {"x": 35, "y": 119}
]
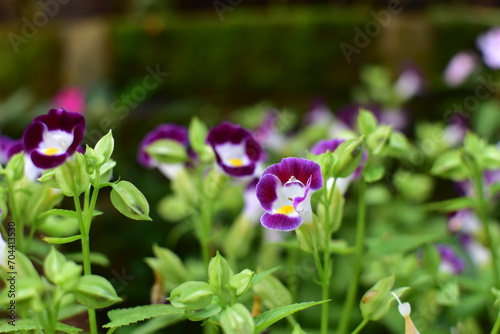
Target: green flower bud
[
  {"x": 240, "y": 283},
  {"x": 49, "y": 178},
  {"x": 129, "y": 200},
  {"x": 376, "y": 302},
  {"x": 95, "y": 292},
  {"x": 349, "y": 155},
  {"x": 219, "y": 272},
  {"x": 377, "y": 140},
  {"x": 192, "y": 295},
  {"x": 237, "y": 320},
  {"x": 167, "y": 151},
  {"x": 72, "y": 176},
  {"x": 272, "y": 292},
  {"x": 105, "y": 147},
  {"x": 60, "y": 271}
]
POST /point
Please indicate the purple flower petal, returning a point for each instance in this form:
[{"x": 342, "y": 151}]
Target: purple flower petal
[
  {"x": 236, "y": 151},
  {"x": 280, "y": 221},
  {"x": 301, "y": 169},
  {"x": 47, "y": 161},
  {"x": 266, "y": 190},
  {"x": 60, "y": 119},
  {"x": 489, "y": 44},
  {"x": 326, "y": 145},
  {"x": 60, "y": 130}
]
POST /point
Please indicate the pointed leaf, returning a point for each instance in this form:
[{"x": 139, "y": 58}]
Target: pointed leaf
[
  {"x": 123, "y": 317},
  {"x": 266, "y": 319}
]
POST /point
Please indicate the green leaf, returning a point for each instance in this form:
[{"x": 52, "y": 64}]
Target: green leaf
[
  {"x": 237, "y": 319},
  {"x": 167, "y": 151},
  {"x": 373, "y": 173},
  {"x": 450, "y": 165},
  {"x": 451, "y": 205},
  {"x": 401, "y": 243},
  {"x": 266, "y": 319},
  {"x": 258, "y": 277},
  {"x": 61, "y": 327},
  {"x": 58, "y": 212},
  {"x": 95, "y": 292},
  {"x": 197, "y": 135},
  {"x": 273, "y": 292},
  {"x": 62, "y": 240},
  {"x": 349, "y": 155},
  {"x": 124, "y": 317},
  {"x": 20, "y": 325},
  {"x": 60, "y": 271},
  {"x": 95, "y": 258},
  {"x": 367, "y": 123},
  {"x": 15, "y": 167},
  {"x": 129, "y": 201}
]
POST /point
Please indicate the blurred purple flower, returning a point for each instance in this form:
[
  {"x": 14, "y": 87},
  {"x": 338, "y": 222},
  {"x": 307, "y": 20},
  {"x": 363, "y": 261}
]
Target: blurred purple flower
[
  {"x": 54, "y": 137},
  {"x": 268, "y": 134},
  {"x": 489, "y": 44},
  {"x": 236, "y": 151},
  {"x": 460, "y": 68},
  {"x": 465, "y": 221},
  {"x": 454, "y": 132},
  {"x": 479, "y": 254},
  {"x": 285, "y": 190},
  {"x": 411, "y": 82},
  {"x": 451, "y": 263},
  {"x": 9, "y": 147},
  {"x": 163, "y": 131},
  {"x": 70, "y": 98}
]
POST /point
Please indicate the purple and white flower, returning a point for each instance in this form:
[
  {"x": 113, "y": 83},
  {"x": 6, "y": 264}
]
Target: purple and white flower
[
  {"x": 9, "y": 147},
  {"x": 163, "y": 131},
  {"x": 284, "y": 192},
  {"x": 464, "y": 221},
  {"x": 236, "y": 151},
  {"x": 451, "y": 263},
  {"x": 460, "y": 68},
  {"x": 489, "y": 44},
  {"x": 52, "y": 138}
]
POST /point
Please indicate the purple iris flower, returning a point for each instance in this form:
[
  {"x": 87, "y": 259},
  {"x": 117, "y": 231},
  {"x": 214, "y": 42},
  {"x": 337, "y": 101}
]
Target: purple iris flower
[
  {"x": 284, "y": 192},
  {"x": 460, "y": 68},
  {"x": 9, "y": 147},
  {"x": 52, "y": 138},
  {"x": 163, "y": 131},
  {"x": 489, "y": 44},
  {"x": 236, "y": 151},
  {"x": 450, "y": 262}
]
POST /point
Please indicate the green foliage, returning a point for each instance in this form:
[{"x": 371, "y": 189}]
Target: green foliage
[{"x": 129, "y": 201}]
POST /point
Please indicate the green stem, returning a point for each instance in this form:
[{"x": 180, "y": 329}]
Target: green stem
[
  {"x": 16, "y": 218},
  {"x": 496, "y": 326},
  {"x": 360, "y": 326},
  {"x": 358, "y": 256},
  {"x": 84, "y": 220},
  {"x": 483, "y": 216}
]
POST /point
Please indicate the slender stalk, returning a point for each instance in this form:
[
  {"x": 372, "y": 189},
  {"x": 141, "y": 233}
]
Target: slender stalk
[
  {"x": 483, "y": 216},
  {"x": 358, "y": 256},
  {"x": 496, "y": 326},
  {"x": 360, "y": 326},
  {"x": 84, "y": 231}
]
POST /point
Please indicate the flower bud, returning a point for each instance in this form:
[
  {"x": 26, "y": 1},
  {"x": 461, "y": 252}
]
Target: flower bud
[
  {"x": 349, "y": 155},
  {"x": 129, "y": 200},
  {"x": 72, "y": 176},
  {"x": 219, "y": 272},
  {"x": 95, "y": 292},
  {"x": 237, "y": 319},
  {"x": 240, "y": 283},
  {"x": 192, "y": 295},
  {"x": 105, "y": 147}
]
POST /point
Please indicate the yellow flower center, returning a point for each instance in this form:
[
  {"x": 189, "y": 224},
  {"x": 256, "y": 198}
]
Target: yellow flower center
[
  {"x": 236, "y": 162},
  {"x": 285, "y": 209},
  {"x": 51, "y": 151}
]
